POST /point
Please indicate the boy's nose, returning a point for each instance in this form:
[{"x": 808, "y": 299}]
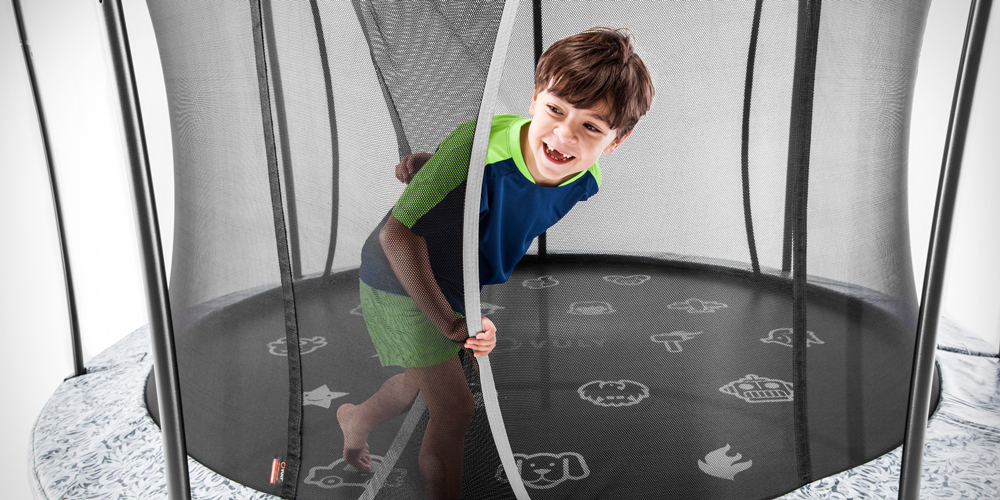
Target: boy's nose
[{"x": 566, "y": 134}]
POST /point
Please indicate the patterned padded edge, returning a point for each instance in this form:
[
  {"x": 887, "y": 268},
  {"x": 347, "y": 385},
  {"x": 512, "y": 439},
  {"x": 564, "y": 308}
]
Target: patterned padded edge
[
  {"x": 962, "y": 450},
  {"x": 952, "y": 337},
  {"x": 94, "y": 439}
]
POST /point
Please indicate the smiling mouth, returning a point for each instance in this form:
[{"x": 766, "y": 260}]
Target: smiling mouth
[{"x": 555, "y": 155}]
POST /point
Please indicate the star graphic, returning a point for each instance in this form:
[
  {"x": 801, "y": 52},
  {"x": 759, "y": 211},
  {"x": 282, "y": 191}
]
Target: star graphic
[{"x": 320, "y": 396}]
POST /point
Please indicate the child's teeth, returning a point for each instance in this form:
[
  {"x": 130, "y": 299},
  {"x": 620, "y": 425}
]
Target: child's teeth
[{"x": 552, "y": 150}]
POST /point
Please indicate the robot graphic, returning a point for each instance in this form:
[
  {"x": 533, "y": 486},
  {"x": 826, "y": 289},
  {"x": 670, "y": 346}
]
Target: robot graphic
[{"x": 755, "y": 389}]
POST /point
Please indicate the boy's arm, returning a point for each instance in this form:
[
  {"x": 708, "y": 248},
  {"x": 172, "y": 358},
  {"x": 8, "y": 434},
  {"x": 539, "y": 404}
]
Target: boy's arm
[{"x": 408, "y": 257}]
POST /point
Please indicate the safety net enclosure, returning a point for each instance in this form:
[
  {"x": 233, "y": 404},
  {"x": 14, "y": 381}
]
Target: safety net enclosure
[{"x": 732, "y": 315}]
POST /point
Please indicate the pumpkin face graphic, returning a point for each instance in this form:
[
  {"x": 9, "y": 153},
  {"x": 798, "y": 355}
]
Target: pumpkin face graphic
[{"x": 613, "y": 394}]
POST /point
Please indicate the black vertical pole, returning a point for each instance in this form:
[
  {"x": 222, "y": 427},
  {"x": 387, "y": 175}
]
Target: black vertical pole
[
  {"x": 74, "y": 323},
  {"x": 937, "y": 255},
  {"x": 151, "y": 255},
  {"x": 745, "y": 149},
  {"x": 536, "y": 22}
]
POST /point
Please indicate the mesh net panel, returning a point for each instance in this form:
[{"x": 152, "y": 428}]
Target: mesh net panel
[{"x": 641, "y": 356}]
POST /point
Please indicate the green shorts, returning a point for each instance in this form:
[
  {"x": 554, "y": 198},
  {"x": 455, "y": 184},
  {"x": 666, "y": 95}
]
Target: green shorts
[{"x": 402, "y": 334}]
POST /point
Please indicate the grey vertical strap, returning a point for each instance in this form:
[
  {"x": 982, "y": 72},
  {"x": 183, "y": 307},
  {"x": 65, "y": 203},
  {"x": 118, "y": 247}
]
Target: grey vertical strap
[
  {"x": 324, "y": 61},
  {"x": 799, "y": 146},
  {"x": 294, "y": 451},
  {"x": 470, "y": 242},
  {"x": 401, "y": 141},
  {"x": 274, "y": 69},
  {"x": 395, "y": 449}
]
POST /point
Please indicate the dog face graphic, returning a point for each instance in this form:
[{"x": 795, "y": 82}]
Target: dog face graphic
[
  {"x": 613, "y": 394},
  {"x": 306, "y": 345},
  {"x": 339, "y": 474},
  {"x": 542, "y": 471}
]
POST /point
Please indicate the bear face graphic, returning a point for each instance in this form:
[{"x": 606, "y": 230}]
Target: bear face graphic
[
  {"x": 592, "y": 308},
  {"x": 340, "y": 473},
  {"x": 636, "y": 279},
  {"x": 540, "y": 282},
  {"x": 306, "y": 345},
  {"x": 614, "y": 393},
  {"x": 542, "y": 471}
]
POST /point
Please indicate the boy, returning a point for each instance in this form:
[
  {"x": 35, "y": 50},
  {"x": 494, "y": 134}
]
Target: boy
[{"x": 590, "y": 91}]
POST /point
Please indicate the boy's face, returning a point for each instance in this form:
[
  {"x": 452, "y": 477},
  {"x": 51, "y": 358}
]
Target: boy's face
[{"x": 563, "y": 140}]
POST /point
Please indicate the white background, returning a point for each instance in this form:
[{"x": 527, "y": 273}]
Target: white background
[{"x": 68, "y": 45}]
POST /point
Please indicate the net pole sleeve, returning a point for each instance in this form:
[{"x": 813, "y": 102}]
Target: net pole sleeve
[
  {"x": 799, "y": 147},
  {"x": 294, "y": 449},
  {"x": 151, "y": 254},
  {"x": 922, "y": 378},
  {"x": 470, "y": 243},
  {"x": 74, "y": 323}
]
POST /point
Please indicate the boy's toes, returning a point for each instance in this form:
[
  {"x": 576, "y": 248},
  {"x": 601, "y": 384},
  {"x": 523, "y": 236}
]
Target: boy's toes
[{"x": 359, "y": 459}]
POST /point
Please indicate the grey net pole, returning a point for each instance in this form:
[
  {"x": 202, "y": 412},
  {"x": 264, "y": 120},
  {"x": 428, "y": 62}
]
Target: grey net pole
[
  {"x": 937, "y": 254},
  {"x": 154, "y": 276},
  {"x": 74, "y": 323}
]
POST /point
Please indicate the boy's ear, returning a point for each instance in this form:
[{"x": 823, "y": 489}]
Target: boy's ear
[{"x": 617, "y": 142}]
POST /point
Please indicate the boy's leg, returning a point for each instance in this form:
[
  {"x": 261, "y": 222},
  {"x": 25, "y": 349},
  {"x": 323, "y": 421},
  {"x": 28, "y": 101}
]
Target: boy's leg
[
  {"x": 451, "y": 406},
  {"x": 394, "y": 397}
]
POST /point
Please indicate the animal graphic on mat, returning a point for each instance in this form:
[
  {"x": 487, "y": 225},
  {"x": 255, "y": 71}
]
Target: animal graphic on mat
[
  {"x": 613, "y": 394},
  {"x": 673, "y": 340},
  {"x": 489, "y": 309},
  {"x": 540, "y": 282},
  {"x": 697, "y": 306},
  {"x": 542, "y": 471},
  {"x": 340, "y": 474},
  {"x": 783, "y": 336},
  {"x": 592, "y": 308},
  {"x": 718, "y": 463},
  {"x": 633, "y": 280},
  {"x": 306, "y": 345}
]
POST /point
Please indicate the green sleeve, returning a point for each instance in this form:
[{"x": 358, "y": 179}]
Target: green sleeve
[{"x": 445, "y": 171}]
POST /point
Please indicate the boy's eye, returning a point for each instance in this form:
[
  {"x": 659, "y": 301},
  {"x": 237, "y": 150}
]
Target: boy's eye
[
  {"x": 555, "y": 109},
  {"x": 593, "y": 128}
]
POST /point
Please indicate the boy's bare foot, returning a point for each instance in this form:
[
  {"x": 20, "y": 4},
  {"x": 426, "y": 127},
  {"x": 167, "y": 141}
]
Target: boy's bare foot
[{"x": 355, "y": 438}]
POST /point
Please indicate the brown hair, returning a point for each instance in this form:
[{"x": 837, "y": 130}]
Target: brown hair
[{"x": 598, "y": 67}]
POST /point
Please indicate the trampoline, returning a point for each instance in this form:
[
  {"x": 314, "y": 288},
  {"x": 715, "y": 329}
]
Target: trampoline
[
  {"x": 631, "y": 375},
  {"x": 732, "y": 315}
]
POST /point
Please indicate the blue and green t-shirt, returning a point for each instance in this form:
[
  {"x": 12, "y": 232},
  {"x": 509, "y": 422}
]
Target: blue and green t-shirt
[{"x": 513, "y": 211}]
